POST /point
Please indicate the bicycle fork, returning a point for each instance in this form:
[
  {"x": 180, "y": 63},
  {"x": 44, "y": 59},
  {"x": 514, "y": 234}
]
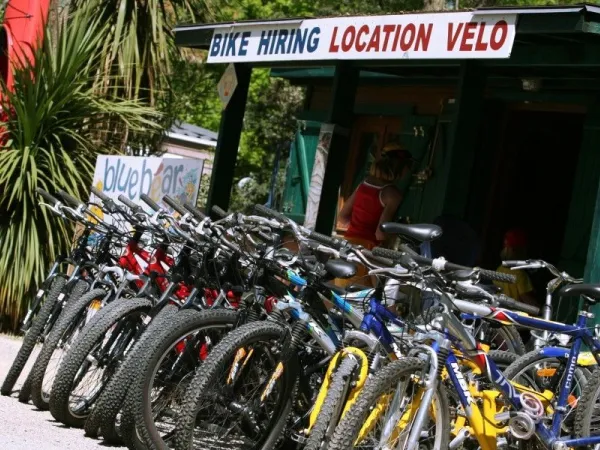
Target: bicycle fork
[{"x": 429, "y": 386}]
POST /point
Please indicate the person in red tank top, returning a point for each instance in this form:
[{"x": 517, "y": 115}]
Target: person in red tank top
[{"x": 375, "y": 200}]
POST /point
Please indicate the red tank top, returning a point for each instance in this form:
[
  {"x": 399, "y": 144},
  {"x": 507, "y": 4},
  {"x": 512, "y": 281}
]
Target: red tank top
[{"x": 366, "y": 212}]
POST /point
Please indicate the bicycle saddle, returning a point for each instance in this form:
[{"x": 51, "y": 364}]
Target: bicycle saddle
[
  {"x": 339, "y": 268},
  {"x": 419, "y": 232},
  {"x": 573, "y": 290}
]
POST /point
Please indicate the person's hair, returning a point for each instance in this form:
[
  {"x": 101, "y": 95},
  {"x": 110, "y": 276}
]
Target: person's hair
[{"x": 390, "y": 165}]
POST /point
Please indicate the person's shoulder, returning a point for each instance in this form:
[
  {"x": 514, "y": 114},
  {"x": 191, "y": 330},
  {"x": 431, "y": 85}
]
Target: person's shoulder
[{"x": 391, "y": 191}]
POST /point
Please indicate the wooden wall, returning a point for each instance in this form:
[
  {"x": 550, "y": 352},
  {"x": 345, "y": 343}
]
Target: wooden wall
[{"x": 428, "y": 100}]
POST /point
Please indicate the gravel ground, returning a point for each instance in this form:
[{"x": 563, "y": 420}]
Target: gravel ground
[{"x": 24, "y": 427}]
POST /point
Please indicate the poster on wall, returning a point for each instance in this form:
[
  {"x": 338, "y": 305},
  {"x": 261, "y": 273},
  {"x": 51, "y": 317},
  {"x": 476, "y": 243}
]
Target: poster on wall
[
  {"x": 316, "y": 180},
  {"x": 154, "y": 176}
]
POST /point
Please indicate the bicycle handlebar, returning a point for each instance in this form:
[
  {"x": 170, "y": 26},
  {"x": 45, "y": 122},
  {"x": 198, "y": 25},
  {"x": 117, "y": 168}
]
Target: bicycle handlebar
[
  {"x": 199, "y": 215},
  {"x": 135, "y": 208},
  {"x": 68, "y": 198},
  {"x": 174, "y": 204},
  {"x": 46, "y": 196},
  {"x": 101, "y": 195},
  {"x": 151, "y": 203},
  {"x": 440, "y": 264},
  {"x": 511, "y": 303},
  {"x": 219, "y": 212}
]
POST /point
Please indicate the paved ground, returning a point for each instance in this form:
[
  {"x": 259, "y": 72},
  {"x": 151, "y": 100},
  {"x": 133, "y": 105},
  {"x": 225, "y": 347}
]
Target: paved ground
[{"x": 24, "y": 427}]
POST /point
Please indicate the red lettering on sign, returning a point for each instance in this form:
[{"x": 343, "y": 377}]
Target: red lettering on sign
[
  {"x": 480, "y": 45},
  {"x": 423, "y": 37},
  {"x": 360, "y": 44},
  {"x": 374, "y": 42},
  {"x": 396, "y": 37},
  {"x": 348, "y": 38},
  {"x": 499, "y": 34},
  {"x": 387, "y": 30},
  {"x": 333, "y": 47},
  {"x": 408, "y": 37},
  {"x": 453, "y": 35},
  {"x": 468, "y": 35}
]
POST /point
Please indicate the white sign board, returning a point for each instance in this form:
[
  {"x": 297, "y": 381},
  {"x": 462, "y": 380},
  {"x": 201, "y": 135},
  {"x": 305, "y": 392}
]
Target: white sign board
[
  {"x": 409, "y": 36},
  {"x": 155, "y": 177},
  {"x": 318, "y": 173},
  {"x": 227, "y": 85}
]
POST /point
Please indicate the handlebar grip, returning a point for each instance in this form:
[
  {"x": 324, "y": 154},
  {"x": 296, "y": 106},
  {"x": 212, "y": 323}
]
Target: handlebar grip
[
  {"x": 68, "y": 198},
  {"x": 46, "y": 196},
  {"x": 101, "y": 195},
  {"x": 151, "y": 203},
  {"x": 514, "y": 263},
  {"x": 510, "y": 303},
  {"x": 387, "y": 253},
  {"x": 497, "y": 276},
  {"x": 269, "y": 212},
  {"x": 219, "y": 212},
  {"x": 377, "y": 259},
  {"x": 174, "y": 204},
  {"x": 326, "y": 240},
  {"x": 194, "y": 211},
  {"x": 135, "y": 208}
]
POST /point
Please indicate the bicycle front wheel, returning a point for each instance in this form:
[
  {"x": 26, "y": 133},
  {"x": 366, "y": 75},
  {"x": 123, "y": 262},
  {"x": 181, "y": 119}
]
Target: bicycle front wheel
[{"x": 391, "y": 397}]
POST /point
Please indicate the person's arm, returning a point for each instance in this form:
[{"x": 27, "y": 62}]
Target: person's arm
[
  {"x": 346, "y": 212},
  {"x": 391, "y": 198}
]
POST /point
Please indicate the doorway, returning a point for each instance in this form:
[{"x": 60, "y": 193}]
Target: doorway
[
  {"x": 369, "y": 135},
  {"x": 533, "y": 182}
]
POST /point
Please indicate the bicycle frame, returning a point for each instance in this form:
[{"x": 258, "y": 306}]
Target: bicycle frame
[{"x": 548, "y": 435}]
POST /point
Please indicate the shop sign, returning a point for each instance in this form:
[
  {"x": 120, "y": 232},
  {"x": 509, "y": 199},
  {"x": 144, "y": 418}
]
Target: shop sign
[
  {"x": 410, "y": 36},
  {"x": 156, "y": 177}
]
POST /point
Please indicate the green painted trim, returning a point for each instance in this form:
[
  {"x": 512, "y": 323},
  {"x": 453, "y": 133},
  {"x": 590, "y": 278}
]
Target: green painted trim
[
  {"x": 302, "y": 164},
  {"x": 312, "y": 116}
]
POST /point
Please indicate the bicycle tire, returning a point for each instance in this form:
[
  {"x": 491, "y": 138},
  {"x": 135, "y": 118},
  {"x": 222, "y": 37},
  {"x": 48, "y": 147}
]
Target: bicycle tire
[
  {"x": 331, "y": 405},
  {"x": 68, "y": 317},
  {"x": 104, "y": 417},
  {"x": 347, "y": 430},
  {"x": 90, "y": 336},
  {"x": 32, "y": 336},
  {"x": 139, "y": 399},
  {"x": 220, "y": 356},
  {"x": 78, "y": 290},
  {"x": 585, "y": 406}
]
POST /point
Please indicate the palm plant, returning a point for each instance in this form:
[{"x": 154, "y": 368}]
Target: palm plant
[
  {"x": 54, "y": 129},
  {"x": 139, "y": 48}
]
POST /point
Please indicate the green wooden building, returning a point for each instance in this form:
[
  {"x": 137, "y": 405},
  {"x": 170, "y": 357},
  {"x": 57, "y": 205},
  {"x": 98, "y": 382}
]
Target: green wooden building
[{"x": 503, "y": 141}]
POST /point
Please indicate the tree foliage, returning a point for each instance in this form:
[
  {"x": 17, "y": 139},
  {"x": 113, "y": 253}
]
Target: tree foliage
[{"x": 53, "y": 131}]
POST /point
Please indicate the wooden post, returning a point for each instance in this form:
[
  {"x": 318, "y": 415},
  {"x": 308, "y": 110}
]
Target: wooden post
[
  {"x": 345, "y": 83},
  {"x": 463, "y": 137},
  {"x": 228, "y": 143}
]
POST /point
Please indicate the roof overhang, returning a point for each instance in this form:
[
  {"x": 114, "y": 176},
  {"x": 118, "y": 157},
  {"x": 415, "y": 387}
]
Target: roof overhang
[{"x": 560, "y": 24}]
